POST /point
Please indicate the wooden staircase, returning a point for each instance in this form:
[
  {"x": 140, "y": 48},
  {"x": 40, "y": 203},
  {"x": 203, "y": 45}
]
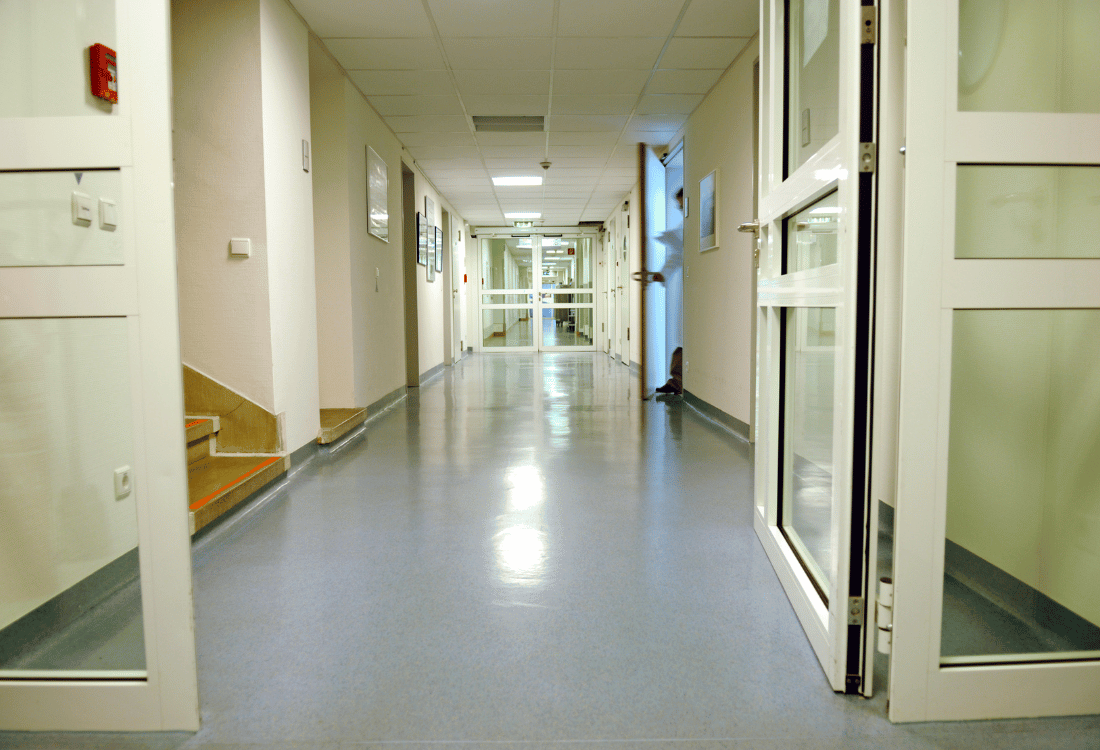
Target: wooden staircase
[{"x": 217, "y": 482}]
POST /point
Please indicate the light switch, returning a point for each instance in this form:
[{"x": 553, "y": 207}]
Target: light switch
[
  {"x": 108, "y": 214},
  {"x": 240, "y": 247},
  {"x": 82, "y": 209},
  {"x": 123, "y": 482}
]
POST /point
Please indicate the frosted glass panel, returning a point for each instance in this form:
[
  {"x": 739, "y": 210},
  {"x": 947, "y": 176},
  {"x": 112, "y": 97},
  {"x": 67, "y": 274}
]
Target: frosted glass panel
[
  {"x": 507, "y": 264},
  {"x": 811, "y": 236},
  {"x": 44, "y": 56},
  {"x": 1027, "y": 212},
  {"x": 1023, "y": 496},
  {"x": 69, "y": 591},
  {"x": 1029, "y": 55},
  {"x": 507, "y": 328},
  {"x": 813, "y": 71},
  {"x": 36, "y": 218},
  {"x": 806, "y": 505}
]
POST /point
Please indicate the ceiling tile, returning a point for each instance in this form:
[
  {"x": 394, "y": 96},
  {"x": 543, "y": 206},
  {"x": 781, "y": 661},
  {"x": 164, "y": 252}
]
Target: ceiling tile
[
  {"x": 657, "y": 122},
  {"x": 396, "y": 106},
  {"x": 398, "y": 82},
  {"x": 608, "y": 54},
  {"x": 351, "y": 18},
  {"x": 580, "y": 138},
  {"x": 525, "y": 152},
  {"x": 444, "y": 152},
  {"x": 490, "y": 82},
  {"x": 478, "y": 104},
  {"x": 720, "y": 18},
  {"x": 525, "y": 164},
  {"x": 386, "y": 54},
  {"x": 436, "y": 139},
  {"x": 683, "y": 81},
  {"x": 495, "y": 53},
  {"x": 511, "y": 139},
  {"x": 669, "y": 104},
  {"x": 618, "y": 17},
  {"x": 567, "y": 162},
  {"x": 499, "y": 18},
  {"x": 688, "y": 53},
  {"x": 428, "y": 123},
  {"x": 439, "y": 164},
  {"x": 558, "y": 152},
  {"x": 586, "y": 122},
  {"x": 621, "y": 82},
  {"x": 575, "y": 104}
]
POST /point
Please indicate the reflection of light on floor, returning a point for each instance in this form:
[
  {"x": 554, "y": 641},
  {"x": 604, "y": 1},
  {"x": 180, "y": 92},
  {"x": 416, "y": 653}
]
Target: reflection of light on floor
[
  {"x": 526, "y": 487},
  {"x": 521, "y": 555}
]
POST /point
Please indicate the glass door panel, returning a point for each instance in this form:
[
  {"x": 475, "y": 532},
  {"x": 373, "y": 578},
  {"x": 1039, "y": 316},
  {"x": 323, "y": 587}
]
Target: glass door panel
[
  {"x": 567, "y": 273},
  {"x": 508, "y": 267},
  {"x": 70, "y": 594},
  {"x": 813, "y": 69}
]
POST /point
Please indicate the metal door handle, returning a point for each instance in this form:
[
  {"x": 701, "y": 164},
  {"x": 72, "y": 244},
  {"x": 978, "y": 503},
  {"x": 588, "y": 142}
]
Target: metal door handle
[{"x": 750, "y": 226}]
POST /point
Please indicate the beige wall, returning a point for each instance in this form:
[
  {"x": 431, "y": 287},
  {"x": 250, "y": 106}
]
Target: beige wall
[
  {"x": 225, "y": 327},
  {"x": 289, "y": 216},
  {"x": 718, "y": 284},
  {"x": 431, "y": 296},
  {"x": 360, "y": 315}
]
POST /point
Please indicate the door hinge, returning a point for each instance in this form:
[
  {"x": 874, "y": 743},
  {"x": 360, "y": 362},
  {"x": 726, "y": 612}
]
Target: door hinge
[
  {"x": 855, "y": 610},
  {"x": 869, "y": 24},
  {"x": 884, "y": 614},
  {"x": 867, "y": 157}
]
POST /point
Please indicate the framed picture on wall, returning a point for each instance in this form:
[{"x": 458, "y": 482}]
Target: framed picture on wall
[
  {"x": 429, "y": 209},
  {"x": 421, "y": 239},
  {"x": 438, "y": 250},
  {"x": 708, "y": 212},
  {"x": 378, "y": 185},
  {"x": 431, "y": 253}
]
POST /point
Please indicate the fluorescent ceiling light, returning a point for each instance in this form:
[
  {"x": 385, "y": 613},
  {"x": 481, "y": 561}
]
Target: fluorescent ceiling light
[
  {"x": 523, "y": 216},
  {"x": 517, "y": 181}
]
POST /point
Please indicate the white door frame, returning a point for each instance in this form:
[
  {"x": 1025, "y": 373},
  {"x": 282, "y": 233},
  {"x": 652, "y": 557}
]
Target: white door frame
[
  {"x": 138, "y": 141},
  {"x": 935, "y": 284},
  {"x": 834, "y": 167}
]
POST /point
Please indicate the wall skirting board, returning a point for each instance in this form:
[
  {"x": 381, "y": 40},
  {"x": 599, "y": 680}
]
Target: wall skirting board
[
  {"x": 432, "y": 373},
  {"x": 19, "y": 640},
  {"x": 730, "y": 422}
]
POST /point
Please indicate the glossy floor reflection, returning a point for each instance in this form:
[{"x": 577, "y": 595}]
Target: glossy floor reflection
[{"x": 521, "y": 556}]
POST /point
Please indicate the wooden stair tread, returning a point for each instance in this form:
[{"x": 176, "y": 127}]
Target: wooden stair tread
[
  {"x": 207, "y": 478},
  {"x": 198, "y": 428},
  {"x": 335, "y": 423}
]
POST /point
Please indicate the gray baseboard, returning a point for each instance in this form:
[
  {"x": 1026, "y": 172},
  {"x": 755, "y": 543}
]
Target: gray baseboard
[
  {"x": 730, "y": 422},
  {"x": 1065, "y": 629},
  {"x": 433, "y": 373},
  {"x": 66, "y": 608},
  {"x": 635, "y": 368}
]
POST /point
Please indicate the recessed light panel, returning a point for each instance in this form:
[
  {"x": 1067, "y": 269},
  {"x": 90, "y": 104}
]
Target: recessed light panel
[{"x": 517, "y": 181}]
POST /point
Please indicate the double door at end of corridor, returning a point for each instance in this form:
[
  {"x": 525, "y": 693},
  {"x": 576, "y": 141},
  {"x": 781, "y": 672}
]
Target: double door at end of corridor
[{"x": 537, "y": 293}]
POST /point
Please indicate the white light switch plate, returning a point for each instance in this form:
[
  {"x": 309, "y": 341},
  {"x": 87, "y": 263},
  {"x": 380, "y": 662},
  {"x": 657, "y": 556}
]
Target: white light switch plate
[
  {"x": 108, "y": 214},
  {"x": 82, "y": 209},
  {"x": 240, "y": 247}
]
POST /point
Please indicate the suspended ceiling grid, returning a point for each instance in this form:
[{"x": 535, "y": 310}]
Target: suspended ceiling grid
[{"x": 605, "y": 75}]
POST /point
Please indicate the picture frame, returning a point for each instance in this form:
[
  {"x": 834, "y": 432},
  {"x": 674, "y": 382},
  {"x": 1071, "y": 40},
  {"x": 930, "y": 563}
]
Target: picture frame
[
  {"x": 431, "y": 254},
  {"x": 438, "y": 250},
  {"x": 429, "y": 209},
  {"x": 708, "y": 212},
  {"x": 421, "y": 239},
  {"x": 378, "y": 185}
]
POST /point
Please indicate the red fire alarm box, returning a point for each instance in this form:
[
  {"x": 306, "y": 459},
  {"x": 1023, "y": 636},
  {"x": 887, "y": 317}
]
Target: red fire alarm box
[{"x": 104, "y": 67}]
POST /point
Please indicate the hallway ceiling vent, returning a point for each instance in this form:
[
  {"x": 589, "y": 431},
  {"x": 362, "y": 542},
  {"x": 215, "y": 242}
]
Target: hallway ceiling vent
[
  {"x": 589, "y": 223},
  {"x": 504, "y": 124}
]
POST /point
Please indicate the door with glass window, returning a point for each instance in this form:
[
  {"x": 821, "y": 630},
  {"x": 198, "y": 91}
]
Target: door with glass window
[
  {"x": 815, "y": 303},
  {"x": 538, "y": 293},
  {"x": 997, "y": 551}
]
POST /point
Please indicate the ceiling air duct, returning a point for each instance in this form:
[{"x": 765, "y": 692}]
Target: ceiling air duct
[{"x": 503, "y": 124}]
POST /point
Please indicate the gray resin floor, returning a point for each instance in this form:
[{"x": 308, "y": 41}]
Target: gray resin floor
[{"x": 521, "y": 556}]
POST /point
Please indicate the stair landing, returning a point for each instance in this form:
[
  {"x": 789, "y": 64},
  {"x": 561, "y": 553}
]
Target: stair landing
[{"x": 217, "y": 483}]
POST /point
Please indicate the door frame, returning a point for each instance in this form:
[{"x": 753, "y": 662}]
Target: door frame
[
  {"x": 536, "y": 303},
  {"x": 137, "y": 139}
]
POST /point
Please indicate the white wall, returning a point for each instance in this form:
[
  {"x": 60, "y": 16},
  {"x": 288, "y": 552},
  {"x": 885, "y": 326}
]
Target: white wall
[
  {"x": 431, "y": 296},
  {"x": 718, "y": 283},
  {"x": 225, "y": 328},
  {"x": 284, "y": 59}
]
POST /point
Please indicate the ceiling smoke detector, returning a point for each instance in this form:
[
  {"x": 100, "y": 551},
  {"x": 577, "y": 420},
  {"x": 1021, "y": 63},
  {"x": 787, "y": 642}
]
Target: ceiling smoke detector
[{"x": 544, "y": 164}]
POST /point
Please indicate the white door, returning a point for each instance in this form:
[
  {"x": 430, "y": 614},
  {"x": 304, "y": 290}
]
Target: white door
[
  {"x": 654, "y": 359},
  {"x": 814, "y": 305},
  {"x": 997, "y": 541},
  {"x": 94, "y": 493}
]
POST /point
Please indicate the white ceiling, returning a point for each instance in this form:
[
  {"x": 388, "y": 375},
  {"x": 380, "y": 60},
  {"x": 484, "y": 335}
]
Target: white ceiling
[{"x": 606, "y": 75}]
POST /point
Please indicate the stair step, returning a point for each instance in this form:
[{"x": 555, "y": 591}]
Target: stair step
[
  {"x": 335, "y": 423},
  {"x": 217, "y": 483},
  {"x": 200, "y": 431}
]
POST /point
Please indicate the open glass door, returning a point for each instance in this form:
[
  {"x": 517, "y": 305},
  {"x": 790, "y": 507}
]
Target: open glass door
[
  {"x": 997, "y": 539},
  {"x": 567, "y": 304},
  {"x": 815, "y": 304}
]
